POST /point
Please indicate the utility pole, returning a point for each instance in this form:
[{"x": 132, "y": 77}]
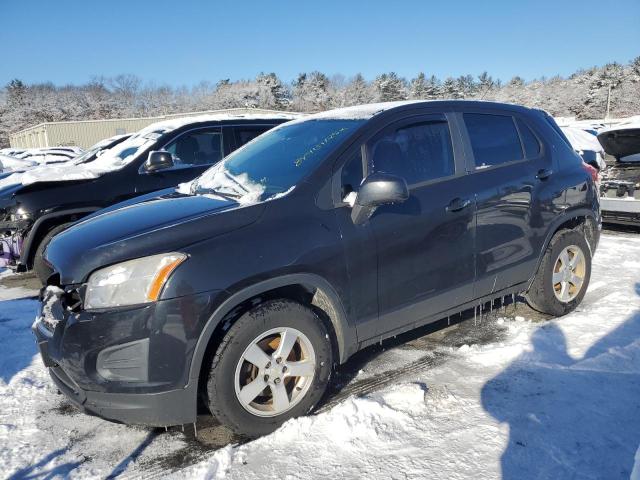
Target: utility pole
[{"x": 606, "y": 117}]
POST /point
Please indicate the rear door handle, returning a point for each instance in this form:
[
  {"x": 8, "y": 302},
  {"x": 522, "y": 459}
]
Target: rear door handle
[
  {"x": 458, "y": 204},
  {"x": 544, "y": 174}
]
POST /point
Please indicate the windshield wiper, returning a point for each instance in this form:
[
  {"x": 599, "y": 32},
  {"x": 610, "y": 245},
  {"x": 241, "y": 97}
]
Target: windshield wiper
[
  {"x": 213, "y": 191},
  {"x": 230, "y": 177}
]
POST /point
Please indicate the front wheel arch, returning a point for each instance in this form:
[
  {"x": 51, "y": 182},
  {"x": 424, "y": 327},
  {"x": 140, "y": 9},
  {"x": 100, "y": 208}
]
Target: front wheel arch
[{"x": 321, "y": 297}]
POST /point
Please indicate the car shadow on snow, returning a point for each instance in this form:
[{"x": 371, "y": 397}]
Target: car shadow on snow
[
  {"x": 17, "y": 343},
  {"x": 570, "y": 418},
  {"x": 36, "y": 471}
]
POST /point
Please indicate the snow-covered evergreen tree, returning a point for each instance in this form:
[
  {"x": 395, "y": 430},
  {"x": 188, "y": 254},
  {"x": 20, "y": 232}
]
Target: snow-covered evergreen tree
[
  {"x": 311, "y": 92},
  {"x": 390, "y": 87},
  {"x": 356, "y": 92},
  {"x": 583, "y": 94},
  {"x": 450, "y": 89},
  {"x": 418, "y": 89},
  {"x": 273, "y": 93}
]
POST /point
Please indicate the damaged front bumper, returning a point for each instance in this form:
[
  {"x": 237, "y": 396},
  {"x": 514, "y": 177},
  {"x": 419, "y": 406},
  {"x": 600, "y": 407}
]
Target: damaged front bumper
[{"x": 126, "y": 364}]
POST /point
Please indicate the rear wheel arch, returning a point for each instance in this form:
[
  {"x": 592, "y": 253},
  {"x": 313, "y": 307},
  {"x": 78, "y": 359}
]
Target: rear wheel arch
[
  {"x": 308, "y": 289},
  {"x": 581, "y": 220}
]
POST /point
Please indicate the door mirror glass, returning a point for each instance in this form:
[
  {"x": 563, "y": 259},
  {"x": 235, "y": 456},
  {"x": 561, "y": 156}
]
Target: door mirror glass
[
  {"x": 376, "y": 190},
  {"x": 158, "y": 160}
]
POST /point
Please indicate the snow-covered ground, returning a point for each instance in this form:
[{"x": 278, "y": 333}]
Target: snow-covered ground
[{"x": 509, "y": 395}]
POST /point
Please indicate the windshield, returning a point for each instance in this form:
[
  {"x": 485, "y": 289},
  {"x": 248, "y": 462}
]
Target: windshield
[
  {"x": 276, "y": 161},
  {"x": 88, "y": 155},
  {"x": 125, "y": 152}
]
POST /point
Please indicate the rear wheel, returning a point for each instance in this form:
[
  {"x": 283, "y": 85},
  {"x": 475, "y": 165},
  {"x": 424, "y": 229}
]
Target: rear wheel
[
  {"x": 42, "y": 269},
  {"x": 273, "y": 364},
  {"x": 563, "y": 275}
]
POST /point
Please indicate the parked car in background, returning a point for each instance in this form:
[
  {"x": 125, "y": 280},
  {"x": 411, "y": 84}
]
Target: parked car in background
[
  {"x": 38, "y": 204},
  {"x": 99, "y": 148},
  {"x": 325, "y": 235},
  {"x": 586, "y": 144},
  {"x": 48, "y": 156},
  {"x": 9, "y": 165},
  {"x": 620, "y": 186}
]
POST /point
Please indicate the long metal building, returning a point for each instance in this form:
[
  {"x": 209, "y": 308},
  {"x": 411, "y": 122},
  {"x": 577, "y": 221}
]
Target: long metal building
[{"x": 84, "y": 133}]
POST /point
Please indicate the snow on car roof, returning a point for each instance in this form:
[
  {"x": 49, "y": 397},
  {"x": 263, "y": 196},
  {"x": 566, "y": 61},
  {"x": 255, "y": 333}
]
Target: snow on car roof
[
  {"x": 632, "y": 124},
  {"x": 581, "y": 140},
  {"x": 359, "y": 112},
  {"x": 175, "y": 123},
  {"x": 9, "y": 164},
  {"x": 107, "y": 141}
]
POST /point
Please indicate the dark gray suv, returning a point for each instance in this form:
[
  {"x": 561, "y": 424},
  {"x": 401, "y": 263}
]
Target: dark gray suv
[{"x": 245, "y": 287}]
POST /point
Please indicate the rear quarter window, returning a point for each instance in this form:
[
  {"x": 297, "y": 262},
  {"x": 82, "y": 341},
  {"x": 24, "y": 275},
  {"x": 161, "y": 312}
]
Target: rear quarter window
[
  {"x": 494, "y": 139},
  {"x": 529, "y": 140}
]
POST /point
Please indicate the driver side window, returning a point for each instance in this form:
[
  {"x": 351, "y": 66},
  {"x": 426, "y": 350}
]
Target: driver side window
[
  {"x": 352, "y": 176},
  {"x": 197, "y": 148},
  {"x": 417, "y": 152}
]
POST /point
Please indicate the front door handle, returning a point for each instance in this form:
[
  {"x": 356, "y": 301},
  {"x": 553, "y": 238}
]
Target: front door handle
[
  {"x": 458, "y": 204},
  {"x": 544, "y": 174}
]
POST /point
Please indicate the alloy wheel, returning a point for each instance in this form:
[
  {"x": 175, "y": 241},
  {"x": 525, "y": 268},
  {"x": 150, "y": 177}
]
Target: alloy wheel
[
  {"x": 568, "y": 273},
  {"x": 275, "y": 372}
]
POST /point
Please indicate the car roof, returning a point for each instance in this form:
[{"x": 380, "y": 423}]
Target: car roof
[{"x": 370, "y": 110}]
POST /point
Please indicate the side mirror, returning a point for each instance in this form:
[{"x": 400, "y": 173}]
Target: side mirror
[
  {"x": 376, "y": 190},
  {"x": 158, "y": 160}
]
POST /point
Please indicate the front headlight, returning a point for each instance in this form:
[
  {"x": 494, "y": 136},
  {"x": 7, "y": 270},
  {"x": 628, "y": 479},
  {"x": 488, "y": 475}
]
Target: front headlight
[
  {"x": 132, "y": 282},
  {"x": 19, "y": 214}
]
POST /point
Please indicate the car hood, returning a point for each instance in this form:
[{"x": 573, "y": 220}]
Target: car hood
[
  {"x": 622, "y": 141},
  {"x": 7, "y": 192},
  {"x": 155, "y": 224}
]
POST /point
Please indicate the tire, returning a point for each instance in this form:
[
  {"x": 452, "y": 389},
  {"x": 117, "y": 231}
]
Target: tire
[
  {"x": 560, "y": 298},
  {"x": 42, "y": 269},
  {"x": 231, "y": 372}
]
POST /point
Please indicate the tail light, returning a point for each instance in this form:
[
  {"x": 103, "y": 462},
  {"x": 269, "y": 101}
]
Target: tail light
[{"x": 595, "y": 175}]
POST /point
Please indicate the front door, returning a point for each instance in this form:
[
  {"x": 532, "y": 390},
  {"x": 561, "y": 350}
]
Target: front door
[
  {"x": 193, "y": 152},
  {"x": 425, "y": 245}
]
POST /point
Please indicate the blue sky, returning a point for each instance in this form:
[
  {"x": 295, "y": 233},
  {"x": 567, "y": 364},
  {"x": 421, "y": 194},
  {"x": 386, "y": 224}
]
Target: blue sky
[{"x": 184, "y": 42}]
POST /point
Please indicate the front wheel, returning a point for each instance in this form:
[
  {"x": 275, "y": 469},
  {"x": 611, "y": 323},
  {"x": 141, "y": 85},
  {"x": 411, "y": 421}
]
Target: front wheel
[
  {"x": 563, "y": 275},
  {"x": 273, "y": 364},
  {"x": 42, "y": 269}
]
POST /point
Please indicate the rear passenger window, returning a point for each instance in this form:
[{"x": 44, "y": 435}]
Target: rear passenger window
[
  {"x": 529, "y": 140},
  {"x": 246, "y": 134},
  {"x": 494, "y": 139},
  {"x": 418, "y": 152}
]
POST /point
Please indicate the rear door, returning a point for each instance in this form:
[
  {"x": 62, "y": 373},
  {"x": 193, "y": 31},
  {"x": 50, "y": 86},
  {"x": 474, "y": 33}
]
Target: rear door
[
  {"x": 425, "y": 246},
  {"x": 245, "y": 133},
  {"x": 510, "y": 174}
]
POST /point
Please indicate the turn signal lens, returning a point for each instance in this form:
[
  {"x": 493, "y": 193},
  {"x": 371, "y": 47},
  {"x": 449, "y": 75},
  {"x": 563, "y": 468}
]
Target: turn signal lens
[{"x": 161, "y": 277}]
